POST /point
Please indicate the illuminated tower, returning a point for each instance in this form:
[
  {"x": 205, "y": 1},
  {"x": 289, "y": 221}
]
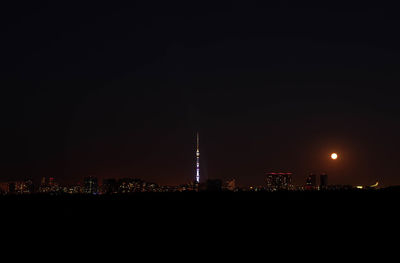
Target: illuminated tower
[{"x": 197, "y": 160}]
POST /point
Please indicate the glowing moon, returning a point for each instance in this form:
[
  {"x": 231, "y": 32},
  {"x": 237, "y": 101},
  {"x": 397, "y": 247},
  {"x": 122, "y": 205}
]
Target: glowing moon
[{"x": 334, "y": 156}]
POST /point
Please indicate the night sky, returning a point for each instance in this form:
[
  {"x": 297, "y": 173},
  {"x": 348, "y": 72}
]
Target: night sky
[{"x": 116, "y": 90}]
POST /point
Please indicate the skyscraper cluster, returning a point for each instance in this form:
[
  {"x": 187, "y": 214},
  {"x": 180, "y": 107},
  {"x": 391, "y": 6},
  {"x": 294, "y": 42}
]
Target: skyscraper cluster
[
  {"x": 311, "y": 182},
  {"x": 17, "y": 187},
  {"x": 279, "y": 181}
]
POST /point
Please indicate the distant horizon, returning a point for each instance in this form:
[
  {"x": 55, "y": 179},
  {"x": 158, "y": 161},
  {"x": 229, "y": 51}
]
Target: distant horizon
[{"x": 101, "y": 179}]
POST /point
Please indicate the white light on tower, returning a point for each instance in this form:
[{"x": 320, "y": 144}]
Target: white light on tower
[{"x": 197, "y": 160}]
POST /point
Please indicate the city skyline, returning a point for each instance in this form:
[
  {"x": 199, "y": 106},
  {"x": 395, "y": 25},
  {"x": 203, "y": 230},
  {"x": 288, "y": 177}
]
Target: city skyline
[
  {"x": 272, "y": 181},
  {"x": 90, "y": 185},
  {"x": 118, "y": 91},
  {"x": 298, "y": 178}
]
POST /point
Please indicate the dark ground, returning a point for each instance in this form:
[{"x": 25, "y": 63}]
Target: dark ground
[
  {"x": 189, "y": 208},
  {"x": 203, "y": 225}
]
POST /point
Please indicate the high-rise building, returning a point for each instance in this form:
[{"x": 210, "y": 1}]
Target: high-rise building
[
  {"x": 22, "y": 187},
  {"x": 197, "y": 160},
  {"x": 53, "y": 185},
  {"x": 323, "y": 181},
  {"x": 279, "y": 181},
  {"x": 311, "y": 182},
  {"x": 52, "y": 181},
  {"x": 29, "y": 187},
  {"x": 90, "y": 185},
  {"x": 44, "y": 186}
]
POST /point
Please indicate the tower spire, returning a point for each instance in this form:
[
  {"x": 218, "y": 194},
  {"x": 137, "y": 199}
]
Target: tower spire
[
  {"x": 197, "y": 159},
  {"x": 197, "y": 141}
]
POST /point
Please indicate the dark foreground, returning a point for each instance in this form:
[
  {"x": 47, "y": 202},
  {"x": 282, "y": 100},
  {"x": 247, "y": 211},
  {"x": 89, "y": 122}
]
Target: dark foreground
[
  {"x": 178, "y": 222},
  {"x": 204, "y": 207}
]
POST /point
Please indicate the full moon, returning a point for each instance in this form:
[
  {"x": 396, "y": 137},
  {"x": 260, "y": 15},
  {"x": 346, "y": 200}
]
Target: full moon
[{"x": 334, "y": 156}]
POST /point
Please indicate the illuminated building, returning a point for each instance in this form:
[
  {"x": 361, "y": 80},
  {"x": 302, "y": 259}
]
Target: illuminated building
[
  {"x": 151, "y": 187},
  {"x": 49, "y": 185},
  {"x": 130, "y": 185},
  {"x": 44, "y": 187},
  {"x": 197, "y": 160},
  {"x": 279, "y": 181},
  {"x": 52, "y": 181},
  {"x": 71, "y": 189},
  {"x": 194, "y": 186},
  {"x": 29, "y": 187},
  {"x": 323, "y": 181},
  {"x": 21, "y": 187},
  {"x": 90, "y": 185}
]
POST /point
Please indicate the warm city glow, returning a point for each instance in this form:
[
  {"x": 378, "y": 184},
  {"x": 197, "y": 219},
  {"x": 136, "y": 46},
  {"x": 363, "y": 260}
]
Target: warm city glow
[{"x": 334, "y": 156}]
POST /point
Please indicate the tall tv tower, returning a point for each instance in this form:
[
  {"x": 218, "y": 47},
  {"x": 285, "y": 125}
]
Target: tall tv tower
[{"x": 197, "y": 160}]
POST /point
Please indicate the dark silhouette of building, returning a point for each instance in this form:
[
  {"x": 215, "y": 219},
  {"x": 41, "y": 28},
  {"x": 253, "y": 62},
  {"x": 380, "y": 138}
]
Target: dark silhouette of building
[
  {"x": 202, "y": 187},
  {"x": 90, "y": 185},
  {"x": 109, "y": 186},
  {"x": 29, "y": 187},
  {"x": 323, "y": 181},
  {"x": 11, "y": 188},
  {"x": 311, "y": 182},
  {"x": 214, "y": 185}
]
